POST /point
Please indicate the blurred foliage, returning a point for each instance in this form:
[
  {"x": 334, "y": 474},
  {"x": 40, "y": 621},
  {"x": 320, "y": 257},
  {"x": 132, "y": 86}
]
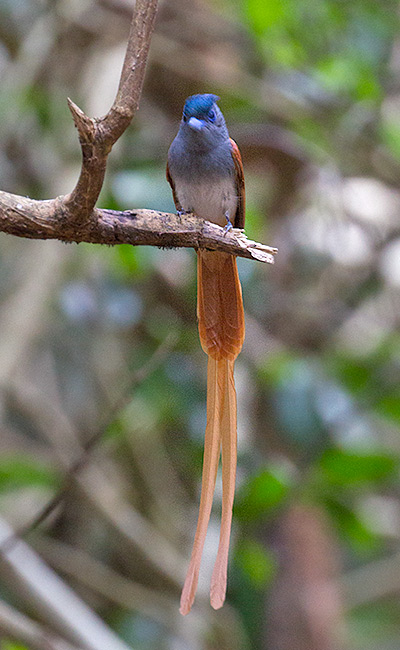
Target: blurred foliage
[{"x": 311, "y": 93}]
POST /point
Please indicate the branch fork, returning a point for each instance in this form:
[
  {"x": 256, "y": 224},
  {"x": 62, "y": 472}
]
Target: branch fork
[{"x": 74, "y": 217}]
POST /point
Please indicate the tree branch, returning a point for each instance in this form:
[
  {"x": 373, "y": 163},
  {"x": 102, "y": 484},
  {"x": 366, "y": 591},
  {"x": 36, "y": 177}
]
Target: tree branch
[
  {"x": 26, "y": 217},
  {"x": 97, "y": 135},
  {"x": 74, "y": 218}
]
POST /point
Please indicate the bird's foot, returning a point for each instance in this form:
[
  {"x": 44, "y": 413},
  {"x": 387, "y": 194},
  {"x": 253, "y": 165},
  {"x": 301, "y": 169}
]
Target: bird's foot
[
  {"x": 181, "y": 213},
  {"x": 229, "y": 224}
]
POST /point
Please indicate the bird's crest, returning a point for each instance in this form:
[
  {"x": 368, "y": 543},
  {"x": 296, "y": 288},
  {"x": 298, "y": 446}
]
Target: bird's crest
[{"x": 199, "y": 105}]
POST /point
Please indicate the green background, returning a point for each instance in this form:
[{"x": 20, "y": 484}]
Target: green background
[{"x": 310, "y": 91}]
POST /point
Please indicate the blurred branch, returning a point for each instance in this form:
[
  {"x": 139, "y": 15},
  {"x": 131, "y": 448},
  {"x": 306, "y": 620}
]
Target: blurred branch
[
  {"x": 134, "y": 530},
  {"x": 26, "y": 217},
  {"x": 375, "y": 581},
  {"x": 111, "y": 585},
  {"x": 305, "y": 609},
  {"x": 19, "y": 627},
  {"x": 107, "y": 495},
  {"x": 139, "y": 376},
  {"x": 21, "y": 314},
  {"x": 38, "y": 585},
  {"x": 128, "y": 594}
]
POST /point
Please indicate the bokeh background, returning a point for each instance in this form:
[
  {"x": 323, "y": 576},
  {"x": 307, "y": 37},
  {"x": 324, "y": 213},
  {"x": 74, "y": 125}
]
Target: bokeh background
[{"x": 103, "y": 341}]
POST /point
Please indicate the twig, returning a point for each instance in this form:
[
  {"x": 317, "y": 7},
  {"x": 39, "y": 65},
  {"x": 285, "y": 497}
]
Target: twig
[{"x": 143, "y": 372}]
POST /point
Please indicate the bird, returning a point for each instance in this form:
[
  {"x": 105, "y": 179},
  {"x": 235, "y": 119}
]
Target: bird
[{"x": 205, "y": 171}]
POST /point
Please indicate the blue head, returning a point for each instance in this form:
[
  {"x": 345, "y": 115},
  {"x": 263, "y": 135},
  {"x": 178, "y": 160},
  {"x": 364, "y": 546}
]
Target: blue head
[
  {"x": 202, "y": 121},
  {"x": 201, "y": 107}
]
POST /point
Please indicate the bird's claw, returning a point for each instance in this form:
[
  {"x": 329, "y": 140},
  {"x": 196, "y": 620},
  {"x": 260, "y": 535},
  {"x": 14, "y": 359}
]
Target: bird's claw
[{"x": 229, "y": 225}]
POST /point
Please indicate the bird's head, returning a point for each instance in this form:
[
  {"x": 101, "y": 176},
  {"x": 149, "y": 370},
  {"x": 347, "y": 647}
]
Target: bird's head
[{"x": 202, "y": 120}]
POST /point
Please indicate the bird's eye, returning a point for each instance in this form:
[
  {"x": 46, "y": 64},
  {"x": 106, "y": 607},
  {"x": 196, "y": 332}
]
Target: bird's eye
[{"x": 211, "y": 115}]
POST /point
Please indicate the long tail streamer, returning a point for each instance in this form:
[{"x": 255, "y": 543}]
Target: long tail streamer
[{"x": 221, "y": 329}]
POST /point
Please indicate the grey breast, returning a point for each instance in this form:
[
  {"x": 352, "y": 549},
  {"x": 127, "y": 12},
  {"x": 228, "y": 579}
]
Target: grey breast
[{"x": 204, "y": 179}]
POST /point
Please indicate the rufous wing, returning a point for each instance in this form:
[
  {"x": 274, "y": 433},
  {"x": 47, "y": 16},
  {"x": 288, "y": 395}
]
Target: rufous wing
[
  {"x": 171, "y": 182},
  {"x": 239, "y": 178}
]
